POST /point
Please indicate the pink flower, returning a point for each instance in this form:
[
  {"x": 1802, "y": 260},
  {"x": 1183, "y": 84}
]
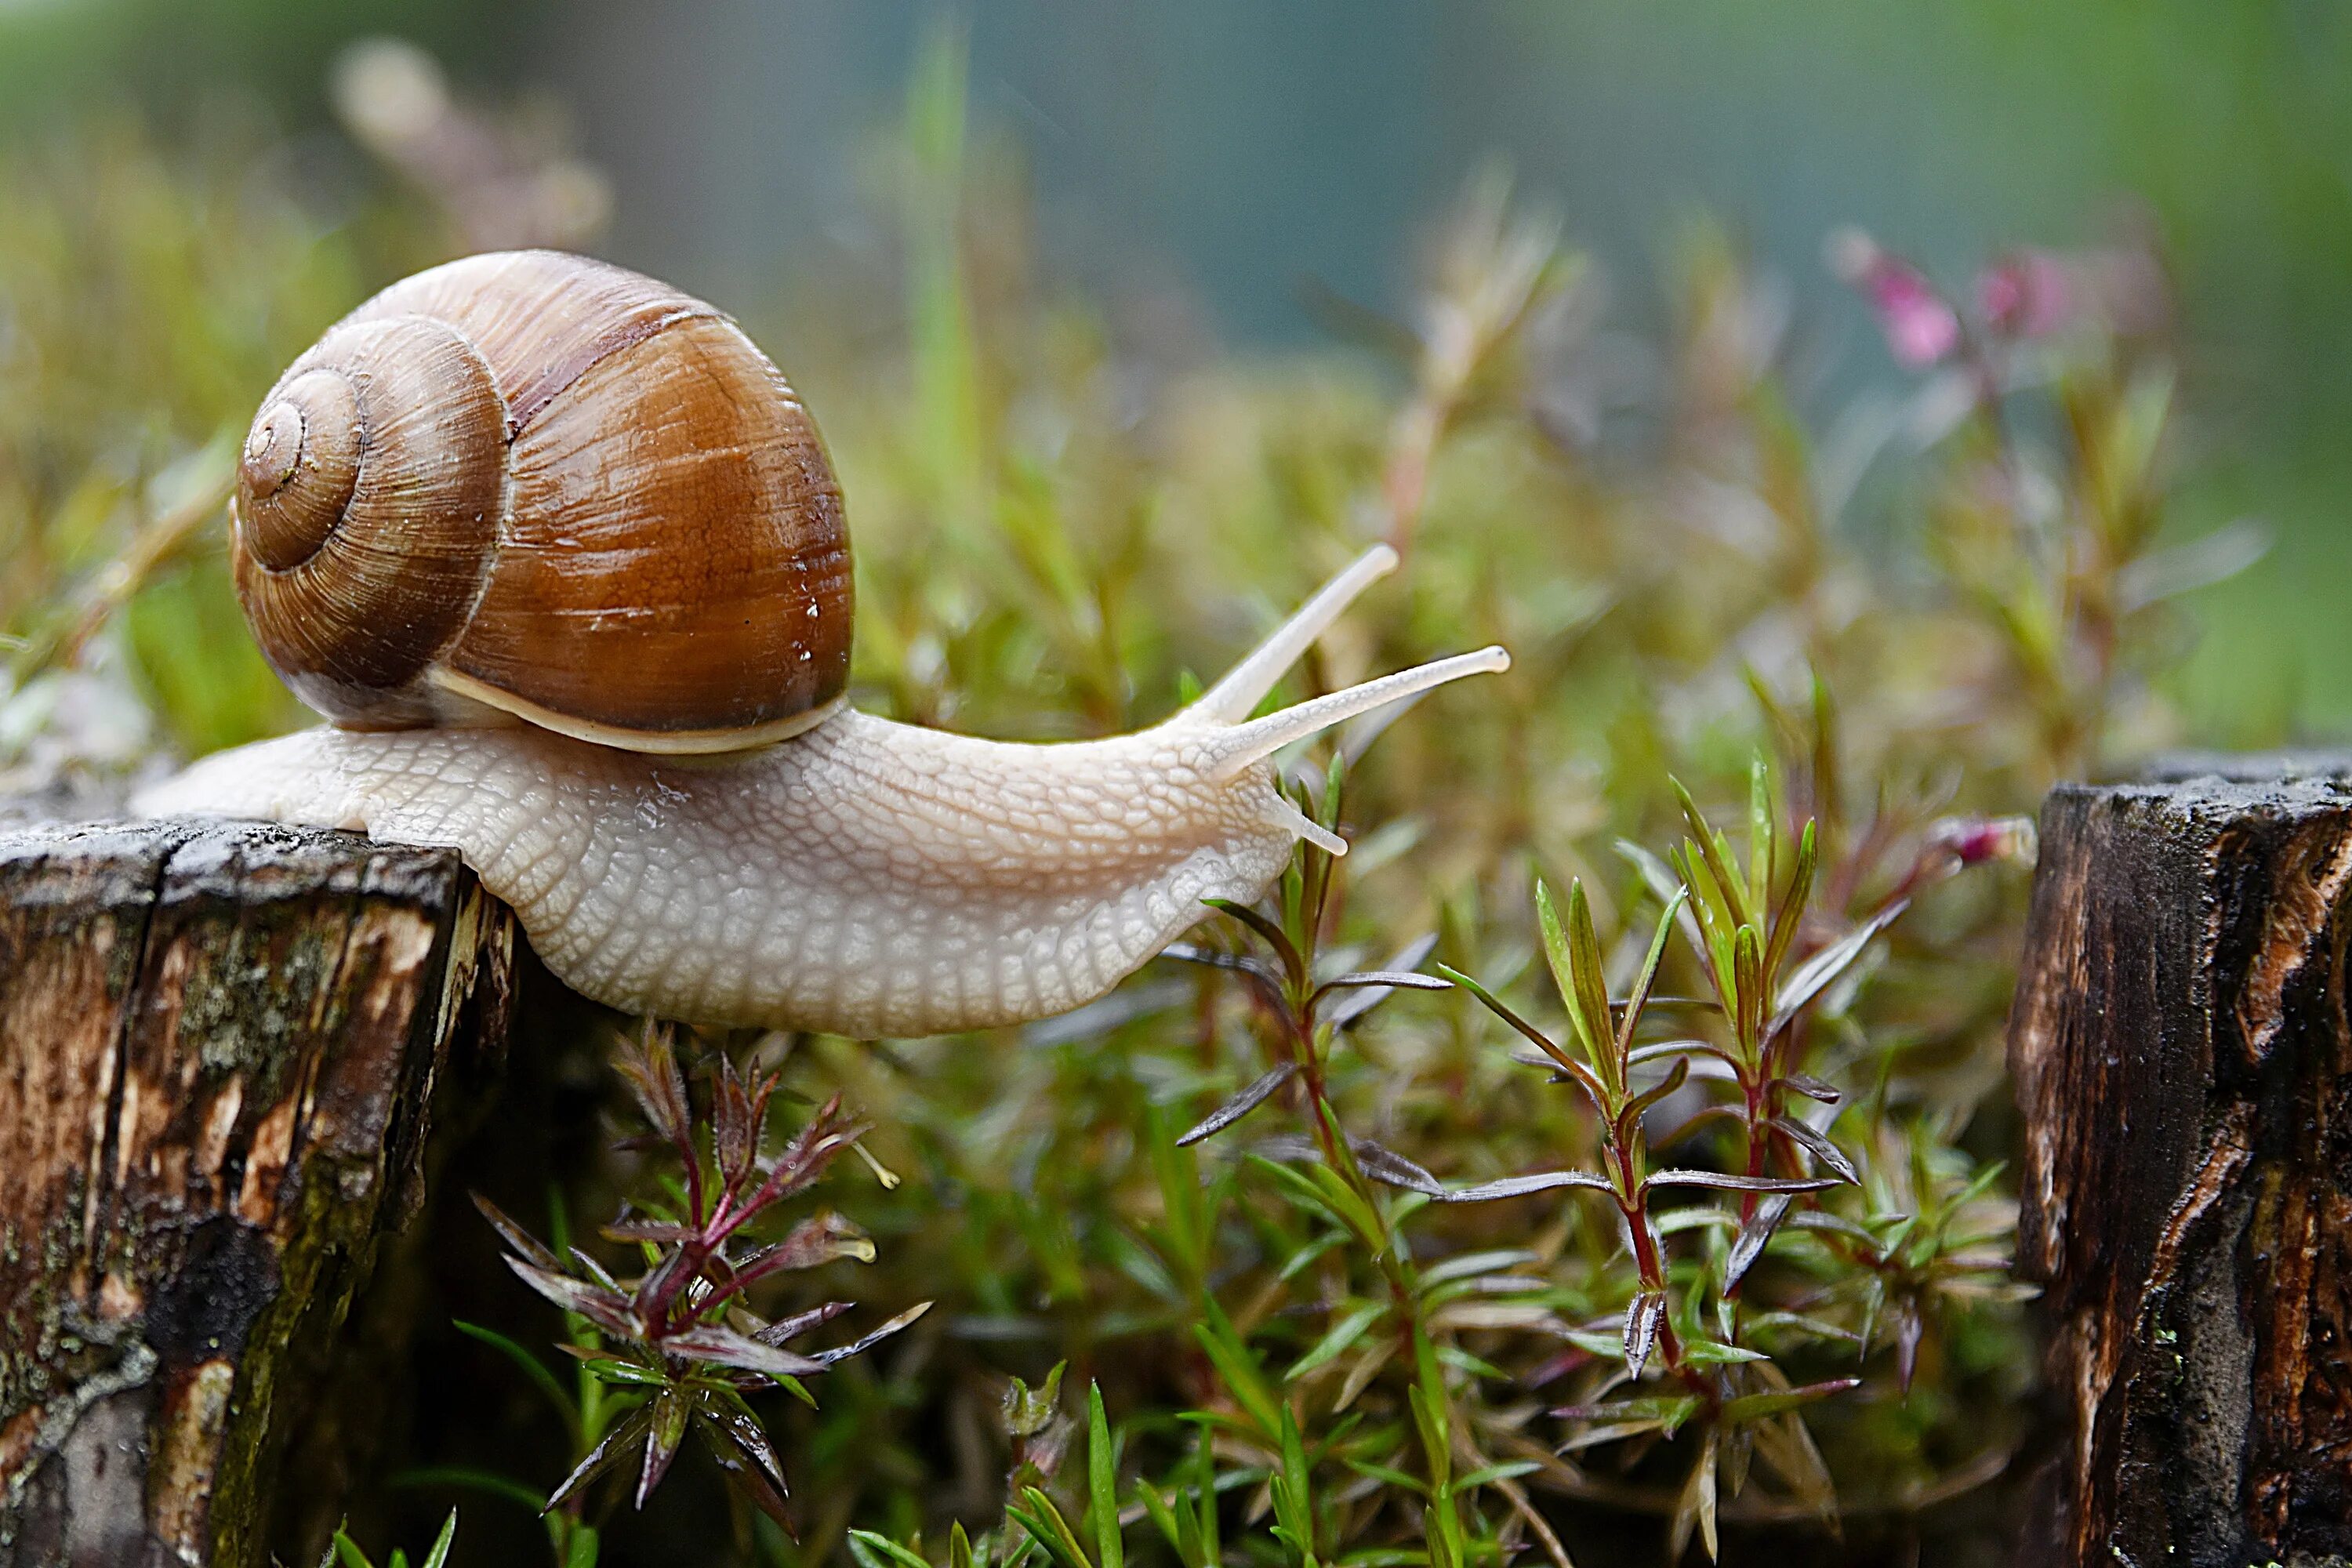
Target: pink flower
[
  {"x": 1921, "y": 327},
  {"x": 1972, "y": 840},
  {"x": 2026, "y": 294}
]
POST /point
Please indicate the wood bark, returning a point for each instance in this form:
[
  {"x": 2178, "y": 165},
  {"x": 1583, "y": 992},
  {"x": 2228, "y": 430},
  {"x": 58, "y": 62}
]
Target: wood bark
[
  {"x": 2182, "y": 1059},
  {"x": 222, "y": 1050}
]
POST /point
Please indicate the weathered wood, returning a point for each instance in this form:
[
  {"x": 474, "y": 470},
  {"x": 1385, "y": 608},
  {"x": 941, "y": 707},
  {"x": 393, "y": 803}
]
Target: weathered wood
[
  {"x": 2183, "y": 1061},
  {"x": 221, "y": 1050}
]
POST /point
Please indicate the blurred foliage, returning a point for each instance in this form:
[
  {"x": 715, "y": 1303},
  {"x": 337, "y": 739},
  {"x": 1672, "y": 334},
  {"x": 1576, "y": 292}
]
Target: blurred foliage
[
  {"x": 148, "y": 296},
  {"x": 179, "y": 57},
  {"x": 1738, "y": 1274},
  {"x": 147, "y": 299}
]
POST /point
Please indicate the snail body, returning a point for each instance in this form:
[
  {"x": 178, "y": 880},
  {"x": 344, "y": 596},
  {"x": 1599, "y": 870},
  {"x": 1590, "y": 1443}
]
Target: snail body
[{"x": 814, "y": 867}]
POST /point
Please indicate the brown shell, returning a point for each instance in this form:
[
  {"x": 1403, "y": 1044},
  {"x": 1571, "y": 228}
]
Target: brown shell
[{"x": 551, "y": 486}]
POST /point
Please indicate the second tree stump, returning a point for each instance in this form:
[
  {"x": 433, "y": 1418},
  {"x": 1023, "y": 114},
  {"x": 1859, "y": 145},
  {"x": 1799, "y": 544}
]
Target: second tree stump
[{"x": 2183, "y": 1061}]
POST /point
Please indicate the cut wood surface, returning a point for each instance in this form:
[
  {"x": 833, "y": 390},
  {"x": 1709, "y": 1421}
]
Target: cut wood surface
[
  {"x": 222, "y": 1048},
  {"x": 2183, "y": 1062}
]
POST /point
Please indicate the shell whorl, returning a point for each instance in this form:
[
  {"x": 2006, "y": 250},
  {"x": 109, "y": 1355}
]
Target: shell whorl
[
  {"x": 301, "y": 464},
  {"x": 366, "y": 514}
]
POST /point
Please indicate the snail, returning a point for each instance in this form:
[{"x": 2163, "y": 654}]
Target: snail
[{"x": 561, "y": 557}]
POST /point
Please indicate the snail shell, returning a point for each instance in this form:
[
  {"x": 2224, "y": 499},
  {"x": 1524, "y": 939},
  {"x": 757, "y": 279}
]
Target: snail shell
[{"x": 541, "y": 486}]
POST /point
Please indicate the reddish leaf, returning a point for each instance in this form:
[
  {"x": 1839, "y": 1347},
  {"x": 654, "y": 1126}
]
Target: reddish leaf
[
  {"x": 722, "y": 1346},
  {"x": 670, "y": 1410},
  {"x": 744, "y": 1452},
  {"x": 1521, "y": 1186},
  {"x": 810, "y": 1243},
  {"x": 1241, "y": 962},
  {"x": 867, "y": 1342},
  {"x": 1676, "y": 1075},
  {"x": 603, "y": 1457},
  {"x": 1293, "y": 967},
  {"x": 651, "y": 1067},
  {"x": 1258, "y": 1093},
  {"x": 1749, "y": 1245},
  {"x": 1644, "y": 1315},
  {"x": 514, "y": 1236},
  {"x": 603, "y": 1308},
  {"x": 1813, "y": 1087},
  {"x": 1909, "y": 1329},
  {"x": 1388, "y": 1166},
  {"x": 1814, "y": 975},
  {"x": 1367, "y": 989},
  {"x": 1728, "y": 1183},
  {"x": 734, "y": 1136},
  {"x": 1371, "y": 993},
  {"x": 804, "y": 1159},
  {"x": 799, "y": 1323},
  {"x": 1819, "y": 1146}
]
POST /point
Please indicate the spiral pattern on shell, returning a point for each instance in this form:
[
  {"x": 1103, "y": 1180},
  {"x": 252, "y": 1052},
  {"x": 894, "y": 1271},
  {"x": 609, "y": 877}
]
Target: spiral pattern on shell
[
  {"x": 541, "y": 484},
  {"x": 367, "y": 519},
  {"x": 295, "y": 486}
]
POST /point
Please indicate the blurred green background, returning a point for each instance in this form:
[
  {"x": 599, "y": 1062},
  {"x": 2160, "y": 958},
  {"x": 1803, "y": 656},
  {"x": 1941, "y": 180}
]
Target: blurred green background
[
  {"x": 1125, "y": 325},
  {"x": 1224, "y": 174}
]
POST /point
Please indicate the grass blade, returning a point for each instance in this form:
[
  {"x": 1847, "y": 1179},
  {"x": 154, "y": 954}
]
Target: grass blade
[
  {"x": 533, "y": 1367},
  {"x": 1102, "y": 1483}
]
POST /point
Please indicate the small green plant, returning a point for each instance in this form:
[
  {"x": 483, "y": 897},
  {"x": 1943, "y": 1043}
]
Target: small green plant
[
  {"x": 678, "y": 1347},
  {"x": 1308, "y": 1012},
  {"x": 1744, "y": 930},
  {"x": 345, "y": 1551}
]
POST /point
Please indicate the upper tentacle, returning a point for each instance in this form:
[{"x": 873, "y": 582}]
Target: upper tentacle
[{"x": 1243, "y": 687}]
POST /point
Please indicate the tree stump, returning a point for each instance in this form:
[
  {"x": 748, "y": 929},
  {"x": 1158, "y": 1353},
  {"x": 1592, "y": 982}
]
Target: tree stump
[
  {"x": 221, "y": 1048},
  {"x": 2183, "y": 1061}
]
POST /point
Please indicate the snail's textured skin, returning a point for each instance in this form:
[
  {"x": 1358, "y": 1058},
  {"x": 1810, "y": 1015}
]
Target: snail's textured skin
[{"x": 867, "y": 877}]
